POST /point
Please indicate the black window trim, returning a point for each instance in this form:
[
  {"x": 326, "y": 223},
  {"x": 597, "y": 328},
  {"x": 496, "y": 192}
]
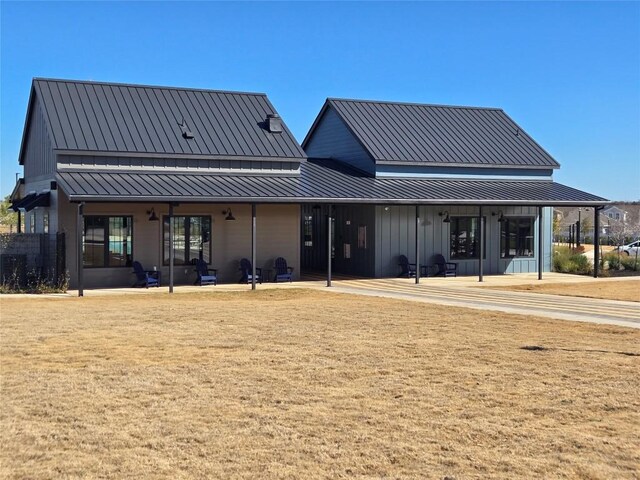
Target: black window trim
[
  {"x": 484, "y": 243},
  {"x": 187, "y": 238},
  {"x": 106, "y": 250},
  {"x": 533, "y": 220}
]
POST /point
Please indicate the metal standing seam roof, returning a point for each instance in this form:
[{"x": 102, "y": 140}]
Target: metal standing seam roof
[
  {"x": 137, "y": 119},
  {"x": 319, "y": 181},
  {"x": 410, "y": 133}
]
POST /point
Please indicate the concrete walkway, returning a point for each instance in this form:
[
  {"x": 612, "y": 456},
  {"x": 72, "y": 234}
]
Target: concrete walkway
[{"x": 461, "y": 294}]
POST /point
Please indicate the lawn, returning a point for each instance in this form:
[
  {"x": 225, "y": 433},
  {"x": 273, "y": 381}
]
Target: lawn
[
  {"x": 306, "y": 384},
  {"x": 628, "y": 290}
]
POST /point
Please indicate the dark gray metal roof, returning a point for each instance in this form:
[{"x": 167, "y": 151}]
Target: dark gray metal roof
[
  {"x": 319, "y": 181},
  {"x": 139, "y": 120},
  {"x": 410, "y": 133}
]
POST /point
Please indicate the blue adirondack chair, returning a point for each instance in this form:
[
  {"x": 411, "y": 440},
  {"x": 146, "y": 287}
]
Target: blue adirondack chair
[
  {"x": 206, "y": 275},
  {"x": 247, "y": 273},
  {"x": 283, "y": 272},
  {"x": 439, "y": 266},
  {"x": 408, "y": 269},
  {"x": 145, "y": 278}
]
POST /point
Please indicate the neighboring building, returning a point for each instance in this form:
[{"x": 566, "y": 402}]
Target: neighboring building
[
  {"x": 619, "y": 223},
  {"x": 614, "y": 213},
  {"x": 219, "y": 160}
]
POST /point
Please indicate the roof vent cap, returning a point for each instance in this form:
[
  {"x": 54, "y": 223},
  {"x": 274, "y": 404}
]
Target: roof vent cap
[
  {"x": 186, "y": 133},
  {"x": 274, "y": 123}
]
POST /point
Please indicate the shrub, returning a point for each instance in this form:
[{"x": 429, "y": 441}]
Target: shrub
[
  {"x": 34, "y": 284},
  {"x": 630, "y": 263},
  {"x": 611, "y": 260},
  {"x": 567, "y": 261}
]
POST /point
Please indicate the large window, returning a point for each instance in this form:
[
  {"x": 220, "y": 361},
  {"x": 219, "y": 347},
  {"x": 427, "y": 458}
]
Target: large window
[
  {"x": 516, "y": 237},
  {"x": 107, "y": 241},
  {"x": 308, "y": 231},
  {"x": 191, "y": 240},
  {"x": 465, "y": 238}
]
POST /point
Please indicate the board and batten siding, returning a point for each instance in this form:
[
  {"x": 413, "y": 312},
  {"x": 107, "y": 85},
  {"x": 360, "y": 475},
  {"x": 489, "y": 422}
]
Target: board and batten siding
[
  {"x": 395, "y": 236},
  {"x": 277, "y": 233},
  {"x": 332, "y": 139},
  {"x": 39, "y": 158}
]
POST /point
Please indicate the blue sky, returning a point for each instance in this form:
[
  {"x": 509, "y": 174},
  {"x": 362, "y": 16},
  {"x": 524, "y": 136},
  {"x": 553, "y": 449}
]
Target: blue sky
[{"x": 568, "y": 73}]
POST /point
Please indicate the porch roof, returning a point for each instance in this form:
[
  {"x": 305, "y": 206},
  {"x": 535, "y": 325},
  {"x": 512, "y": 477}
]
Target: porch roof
[{"x": 320, "y": 181}]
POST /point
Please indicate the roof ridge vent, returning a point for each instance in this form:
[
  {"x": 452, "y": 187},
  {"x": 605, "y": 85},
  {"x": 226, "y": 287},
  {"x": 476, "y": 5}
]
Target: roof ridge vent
[
  {"x": 186, "y": 133},
  {"x": 274, "y": 123}
]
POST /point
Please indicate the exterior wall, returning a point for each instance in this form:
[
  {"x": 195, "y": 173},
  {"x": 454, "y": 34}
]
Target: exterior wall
[
  {"x": 162, "y": 164},
  {"x": 395, "y": 235},
  {"x": 39, "y": 159},
  {"x": 277, "y": 233},
  {"x": 40, "y": 187},
  {"x": 332, "y": 139}
]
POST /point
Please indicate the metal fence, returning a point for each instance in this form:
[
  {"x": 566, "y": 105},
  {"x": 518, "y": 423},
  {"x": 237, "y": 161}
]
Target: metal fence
[{"x": 30, "y": 258}]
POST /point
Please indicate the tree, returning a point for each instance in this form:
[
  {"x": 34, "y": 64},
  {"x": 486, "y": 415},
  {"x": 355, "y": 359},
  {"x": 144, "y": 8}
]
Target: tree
[
  {"x": 8, "y": 218},
  {"x": 585, "y": 227}
]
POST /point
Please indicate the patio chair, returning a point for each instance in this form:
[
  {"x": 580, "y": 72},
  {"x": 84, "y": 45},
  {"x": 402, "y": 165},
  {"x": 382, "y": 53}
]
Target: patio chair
[
  {"x": 247, "y": 272},
  {"x": 206, "y": 275},
  {"x": 408, "y": 269},
  {"x": 145, "y": 278},
  {"x": 283, "y": 272},
  {"x": 440, "y": 267}
]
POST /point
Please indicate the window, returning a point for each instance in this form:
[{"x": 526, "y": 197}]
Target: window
[
  {"x": 362, "y": 236},
  {"x": 308, "y": 231},
  {"x": 617, "y": 216},
  {"x": 191, "y": 240},
  {"x": 516, "y": 237},
  {"x": 32, "y": 222},
  {"x": 107, "y": 241},
  {"x": 465, "y": 235},
  {"x": 45, "y": 222}
]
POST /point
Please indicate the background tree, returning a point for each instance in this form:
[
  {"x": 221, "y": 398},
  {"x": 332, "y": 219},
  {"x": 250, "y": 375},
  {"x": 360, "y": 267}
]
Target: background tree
[
  {"x": 585, "y": 228},
  {"x": 8, "y": 218}
]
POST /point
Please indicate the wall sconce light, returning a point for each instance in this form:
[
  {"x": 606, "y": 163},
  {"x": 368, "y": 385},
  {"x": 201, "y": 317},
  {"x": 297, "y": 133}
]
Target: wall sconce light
[
  {"x": 446, "y": 218},
  {"x": 499, "y": 214},
  {"x": 152, "y": 215},
  {"x": 229, "y": 215}
]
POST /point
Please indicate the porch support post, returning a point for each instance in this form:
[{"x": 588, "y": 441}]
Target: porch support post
[
  {"x": 253, "y": 246},
  {"x": 540, "y": 243},
  {"x": 417, "y": 244},
  {"x": 19, "y": 228},
  {"x": 596, "y": 241},
  {"x": 329, "y": 247},
  {"x": 171, "y": 253},
  {"x": 80, "y": 260},
  {"x": 480, "y": 254}
]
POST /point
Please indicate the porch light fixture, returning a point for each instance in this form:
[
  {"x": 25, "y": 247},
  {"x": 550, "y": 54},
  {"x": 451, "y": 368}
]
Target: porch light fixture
[
  {"x": 152, "y": 215},
  {"x": 229, "y": 215},
  {"x": 446, "y": 218},
  {"x": 499, "y": 214}
]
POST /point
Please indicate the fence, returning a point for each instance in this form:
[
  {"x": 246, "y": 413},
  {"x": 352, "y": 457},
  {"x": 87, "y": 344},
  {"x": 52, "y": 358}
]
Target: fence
[{"x": 30, "y": 258}]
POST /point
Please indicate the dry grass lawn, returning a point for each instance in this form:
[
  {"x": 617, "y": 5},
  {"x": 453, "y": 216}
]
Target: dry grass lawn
[
  {"x": 307, "y": 384},
  {"x": 628, "y": 290}
]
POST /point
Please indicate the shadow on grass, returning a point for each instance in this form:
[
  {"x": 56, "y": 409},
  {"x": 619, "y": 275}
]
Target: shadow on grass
[{"x": 538, "y": 348}]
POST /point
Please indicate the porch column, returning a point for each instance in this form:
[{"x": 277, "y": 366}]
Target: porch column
[
  {"x": 80, "y": 260},
  {"x": 19, "y": 227},
  {"x": 171, "y": 253},
  {"x": 417, "y": 244},
  {"x": 480, "y": 259},
  {"x": 253, "y": 246},
  {"x": 329, "y": 247},
  {"x": 540, "y": 243},
  {"x": 596, "y": 240}
]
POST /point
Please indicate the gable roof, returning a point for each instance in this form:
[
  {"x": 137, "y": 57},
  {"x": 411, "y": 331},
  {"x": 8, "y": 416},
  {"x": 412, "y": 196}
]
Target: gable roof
[
  {"x": 420, "y": 134},
  {"x": 141, "y": 120}
]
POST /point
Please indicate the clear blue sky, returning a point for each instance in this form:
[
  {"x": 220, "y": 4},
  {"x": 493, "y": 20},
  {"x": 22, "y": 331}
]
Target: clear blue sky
[{"x": 569, "y": 72}]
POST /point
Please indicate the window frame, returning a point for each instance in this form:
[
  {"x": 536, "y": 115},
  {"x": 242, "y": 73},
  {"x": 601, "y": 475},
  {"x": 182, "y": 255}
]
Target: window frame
[
  {"x": 128, "y": 263},
  {"x": 510, "y": 219},
  {"x": 484, "y": 234},
  {"x": 187, "y": 239}
]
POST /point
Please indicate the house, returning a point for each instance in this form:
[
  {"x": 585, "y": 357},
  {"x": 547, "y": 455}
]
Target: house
[
  {"x": 615, "y": 213},
  {"x": 167, "y": 176}
]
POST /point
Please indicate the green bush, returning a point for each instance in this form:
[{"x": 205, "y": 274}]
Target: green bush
[
  {"x": 630, "y": 263},
  {"x": 612, "y": 260},
  {"x": 566, "y": 260}
]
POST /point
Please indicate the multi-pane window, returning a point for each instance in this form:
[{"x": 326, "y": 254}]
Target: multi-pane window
[
  {"x": 308, "y": 231},
  {"x": 45, "y": 222},
  {"x": 107, "y": 241},
  {"x": 516, "y": 237},
  {"x": 191, "y": 240},
  {"x": 465, "y": 238}
]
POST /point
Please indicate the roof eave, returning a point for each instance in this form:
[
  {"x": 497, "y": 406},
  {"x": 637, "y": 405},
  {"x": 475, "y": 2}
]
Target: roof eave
[{"x": 467, "y": 165}]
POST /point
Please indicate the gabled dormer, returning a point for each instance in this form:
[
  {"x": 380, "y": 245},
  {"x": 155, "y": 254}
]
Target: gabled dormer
[{"x": 390, "y": 139}]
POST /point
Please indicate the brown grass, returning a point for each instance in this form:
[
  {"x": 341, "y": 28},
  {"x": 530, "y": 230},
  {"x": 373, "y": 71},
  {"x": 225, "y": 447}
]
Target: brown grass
[
  {"x": 307, "y": 384},
  {"x": 628, "y": 290}
]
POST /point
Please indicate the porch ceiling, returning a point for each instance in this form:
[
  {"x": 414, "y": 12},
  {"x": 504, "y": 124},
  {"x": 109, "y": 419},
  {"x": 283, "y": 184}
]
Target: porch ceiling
[{"x": 320, "y": 181}]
